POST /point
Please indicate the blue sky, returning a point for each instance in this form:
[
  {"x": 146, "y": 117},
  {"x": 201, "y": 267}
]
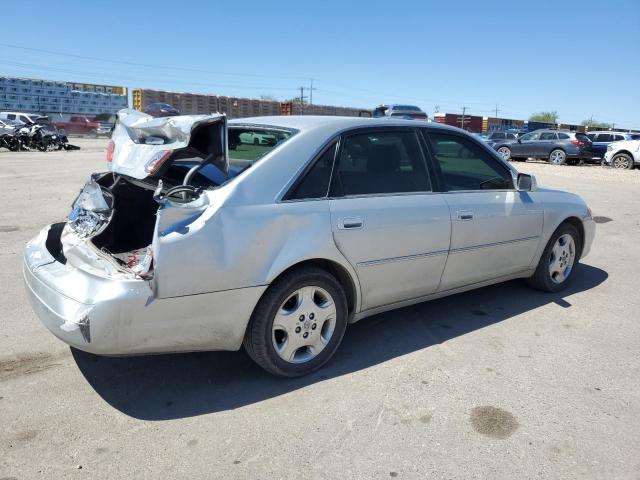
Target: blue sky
[{"x": 579, "y": 58}]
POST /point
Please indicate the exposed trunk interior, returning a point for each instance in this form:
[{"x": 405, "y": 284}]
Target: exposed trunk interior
[{"x": 134, "y": 218}]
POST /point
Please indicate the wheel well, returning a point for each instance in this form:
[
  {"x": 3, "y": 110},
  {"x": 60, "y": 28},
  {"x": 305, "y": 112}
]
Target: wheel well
[
  {"x": 623, "y": 152},
  {"x": 576, "y": 222},
  {"x": 335, "y": 269}
]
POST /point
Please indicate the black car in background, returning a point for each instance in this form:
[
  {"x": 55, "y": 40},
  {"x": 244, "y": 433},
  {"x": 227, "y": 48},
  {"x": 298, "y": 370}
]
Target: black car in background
[{"x": 556, "y": 146}]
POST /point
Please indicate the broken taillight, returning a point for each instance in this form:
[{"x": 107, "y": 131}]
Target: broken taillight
[
  {"x": 577, "y": 143},
  {"x": 110, "y": 148},
  {"x": 157, "y": 160}
]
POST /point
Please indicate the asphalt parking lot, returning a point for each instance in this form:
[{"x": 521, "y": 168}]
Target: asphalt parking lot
[{"x": 503, "y": 382}]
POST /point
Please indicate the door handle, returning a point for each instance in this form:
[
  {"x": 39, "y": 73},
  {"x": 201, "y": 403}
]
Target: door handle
[
  {"x": 465, "y": 215},
  {"x": 350, "y": 223}
]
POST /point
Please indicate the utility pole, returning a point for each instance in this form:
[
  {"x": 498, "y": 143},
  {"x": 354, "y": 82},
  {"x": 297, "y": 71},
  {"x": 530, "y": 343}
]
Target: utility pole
[
  {"x": 497, "y": 110},
  {"x": 464, "y": 109},
  {"x": 302, "y": 97},
  {"x": 311, "y": 89}
]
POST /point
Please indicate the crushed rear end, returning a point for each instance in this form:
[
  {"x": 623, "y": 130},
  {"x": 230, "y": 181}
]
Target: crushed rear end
[{"x": 94, "y": 280}]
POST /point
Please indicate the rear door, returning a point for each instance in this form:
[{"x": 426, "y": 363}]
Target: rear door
[
  {"x": 600, "y": 143},
  {"x": 386, "y": 219},
  {"x": 495, "y": 229}
]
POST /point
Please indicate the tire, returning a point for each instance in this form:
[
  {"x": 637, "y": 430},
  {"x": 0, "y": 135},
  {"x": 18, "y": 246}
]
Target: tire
[
  {"x": 555, "y": 269},
  {"x": 557, "y": 157},
  {"x": 622, "y": 160},
  {"x": 62, "y": 132},
  {"x": 504, "y": 152},
  {"x": 293, "y": 302}
]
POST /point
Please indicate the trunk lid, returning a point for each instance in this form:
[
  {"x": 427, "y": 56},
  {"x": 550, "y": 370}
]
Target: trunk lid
[{"x": 143, "y": 144}]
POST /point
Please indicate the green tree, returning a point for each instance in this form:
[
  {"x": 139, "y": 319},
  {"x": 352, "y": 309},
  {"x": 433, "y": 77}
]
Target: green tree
[
  {"x": 546, "y": 117},
  {"x": 592, "y": 123}
]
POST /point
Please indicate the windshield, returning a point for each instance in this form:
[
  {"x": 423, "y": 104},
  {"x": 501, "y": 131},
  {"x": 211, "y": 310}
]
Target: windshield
[{"x": 406, "y": 108}]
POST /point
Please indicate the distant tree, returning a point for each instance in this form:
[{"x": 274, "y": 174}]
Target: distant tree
[
  {"x": 545, "y": 117},
  {"x": 592, "y": 123}
]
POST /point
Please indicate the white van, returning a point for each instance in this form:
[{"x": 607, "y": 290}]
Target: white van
[{"x": 20, "y": 116}]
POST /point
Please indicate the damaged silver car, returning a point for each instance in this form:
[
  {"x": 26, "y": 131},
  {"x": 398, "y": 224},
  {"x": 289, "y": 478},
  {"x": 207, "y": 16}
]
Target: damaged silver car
[{"x": 201, "y": 238}]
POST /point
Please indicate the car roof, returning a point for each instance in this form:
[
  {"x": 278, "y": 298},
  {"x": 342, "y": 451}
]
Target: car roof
[{"x": 312, "y": 122}]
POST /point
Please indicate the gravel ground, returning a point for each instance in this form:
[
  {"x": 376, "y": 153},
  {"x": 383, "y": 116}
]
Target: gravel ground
[{"x": 503, "y": 382}]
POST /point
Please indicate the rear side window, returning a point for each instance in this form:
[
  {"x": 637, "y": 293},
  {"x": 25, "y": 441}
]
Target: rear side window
[
  {"x": 618, "y": 138},
  {"x": 563, "y": 136},
  {"x": 604, "y": 137},
  {"x": 315, "y": 183},
  {"x": 467, "y": 166},
  {"x": 380, "y": 163}
]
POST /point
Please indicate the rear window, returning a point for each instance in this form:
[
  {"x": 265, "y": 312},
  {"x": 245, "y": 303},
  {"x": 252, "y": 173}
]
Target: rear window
[
  {"x": 582, "y": 137},
  {"x": 617, "y": 138},
  {"x": 248, "y": 144}
]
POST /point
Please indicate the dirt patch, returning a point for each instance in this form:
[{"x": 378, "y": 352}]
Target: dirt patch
[
  {"x": 8, "y": 228},
  {"x": 493, "y": 422},
  {"x": 26, "y": 363},
  {"x": 602, "y": 219}
]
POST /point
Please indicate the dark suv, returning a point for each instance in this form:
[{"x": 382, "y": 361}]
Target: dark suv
[{"x": 557, "y": 146}]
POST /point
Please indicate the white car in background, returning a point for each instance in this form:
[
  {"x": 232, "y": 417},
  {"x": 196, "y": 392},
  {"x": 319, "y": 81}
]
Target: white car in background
[{"x": 624, "y": 154}]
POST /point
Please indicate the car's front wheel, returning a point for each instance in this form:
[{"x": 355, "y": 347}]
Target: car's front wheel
[
  {"x": 298, "y": 323},
  {"x": 557, "y": 157},
  {"x": 558, "y": 260},
  {"x": 622, "y": 160},
  {"x": 505, "y": 153}
]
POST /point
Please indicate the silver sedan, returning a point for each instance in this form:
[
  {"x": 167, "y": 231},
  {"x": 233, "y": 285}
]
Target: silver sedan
[{"x": 196, "y": 240}]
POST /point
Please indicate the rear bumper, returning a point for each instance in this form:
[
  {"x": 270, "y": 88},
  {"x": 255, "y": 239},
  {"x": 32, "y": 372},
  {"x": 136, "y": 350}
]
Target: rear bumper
[{"x": 122, "y": 316}]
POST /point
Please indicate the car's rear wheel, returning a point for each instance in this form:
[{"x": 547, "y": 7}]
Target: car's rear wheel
[
  {"x": 298, "y": 323},
  {"x": 622, "y": 160},
  {"x": 505, "y": 153},
  {"x": 558, "y": 260},
  {"x": 557, "y": 157}
]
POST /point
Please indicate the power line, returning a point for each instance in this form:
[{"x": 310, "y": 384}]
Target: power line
[{"x": 148, "y": 65}]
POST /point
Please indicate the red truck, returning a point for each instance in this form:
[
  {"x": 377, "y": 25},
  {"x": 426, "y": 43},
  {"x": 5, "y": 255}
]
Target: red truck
[{"x": 83, "y": 125}]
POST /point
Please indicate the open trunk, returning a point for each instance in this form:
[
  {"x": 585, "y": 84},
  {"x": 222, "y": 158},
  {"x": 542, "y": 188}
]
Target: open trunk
[{"x": 155, "y": 163}]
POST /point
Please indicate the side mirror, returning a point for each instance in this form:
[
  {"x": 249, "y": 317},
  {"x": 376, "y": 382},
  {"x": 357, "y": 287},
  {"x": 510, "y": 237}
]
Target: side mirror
[{"x": 526, "y": 183}]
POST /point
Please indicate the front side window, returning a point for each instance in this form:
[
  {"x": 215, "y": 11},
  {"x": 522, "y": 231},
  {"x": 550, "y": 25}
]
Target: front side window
[
  {"x": 530, "y": 136},
  {"x": 315, "y": 183},
  {"x": 380, "y": 163},
  {"x": 466, "y": 165},
  {"x": 547, "y": 136},
  {"x": 563, "y": 136},
  {"x": 604, "y": 137}
]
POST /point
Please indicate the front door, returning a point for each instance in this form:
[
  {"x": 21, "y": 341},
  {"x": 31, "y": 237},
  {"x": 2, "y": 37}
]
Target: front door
[
  {"x": 495, "y": 229},
  {"x": 386, "y": 219},
  {"x": 526, "y": 145}
]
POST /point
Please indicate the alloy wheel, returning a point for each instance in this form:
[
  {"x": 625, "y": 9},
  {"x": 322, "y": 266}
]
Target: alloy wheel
[
  {"x": 562, "y": 258},
  {"x": 304, "y": 324}
]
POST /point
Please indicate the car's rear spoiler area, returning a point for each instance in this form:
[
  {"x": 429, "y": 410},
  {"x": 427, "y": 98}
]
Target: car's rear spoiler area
[{"x": 142, "y": 143}]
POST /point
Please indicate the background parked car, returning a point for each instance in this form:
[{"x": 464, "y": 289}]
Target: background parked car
[
  {"x": 161, "y": 110},
  {"x": 557, "y": 146},
  {"x": 601, "y": 140},
  {"x": 21, "y": 117},
  {"x": 625, "y": 154},
  {"x": 410, "y": 112},
  {"x": 82, "y": 125}
]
